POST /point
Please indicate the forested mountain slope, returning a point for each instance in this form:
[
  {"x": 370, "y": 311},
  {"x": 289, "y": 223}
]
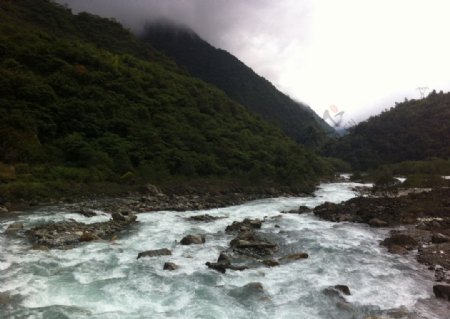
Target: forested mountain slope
[
  {"x": 83, "y": 100},
  {"x": 238, "y": 81},
  {"x": 412, "y": 130}
]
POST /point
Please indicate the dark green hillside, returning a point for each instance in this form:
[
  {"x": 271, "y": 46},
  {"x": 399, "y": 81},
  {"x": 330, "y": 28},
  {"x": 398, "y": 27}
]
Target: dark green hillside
[
  {"x": 83, "y": 101},
  {"x": 225, "y": 71},
  {"x": 410, "y": 131}
]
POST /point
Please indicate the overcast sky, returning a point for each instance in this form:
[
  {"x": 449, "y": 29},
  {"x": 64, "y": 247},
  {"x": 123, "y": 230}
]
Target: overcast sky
[{"x": 359, "y": 55}]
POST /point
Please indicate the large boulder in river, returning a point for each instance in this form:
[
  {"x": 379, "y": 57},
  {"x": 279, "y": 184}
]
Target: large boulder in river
[
  {"x": 246, "y": 224},
  {"x": 124, "y": 217},
  {"x": 401, "y": 240},
  {"x": 442, "y": 291},
  {"x": 193, "y": 239},
  {"x": 155, "y": 253},
  {"x": 170, "y": 266}
]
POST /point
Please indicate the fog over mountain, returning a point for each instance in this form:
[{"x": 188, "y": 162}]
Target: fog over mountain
[{"x": 359, "y": 56}]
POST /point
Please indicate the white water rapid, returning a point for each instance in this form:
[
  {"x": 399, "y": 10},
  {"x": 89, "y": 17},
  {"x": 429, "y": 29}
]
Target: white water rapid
[{"x": 105, "y": 280}]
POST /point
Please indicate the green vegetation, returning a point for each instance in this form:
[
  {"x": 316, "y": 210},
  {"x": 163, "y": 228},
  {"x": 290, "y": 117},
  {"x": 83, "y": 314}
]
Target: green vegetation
[
  {"x": 239, "y": 82},
  {"x": 414, "y": 130},
  {"x": 83, "y": 102}
]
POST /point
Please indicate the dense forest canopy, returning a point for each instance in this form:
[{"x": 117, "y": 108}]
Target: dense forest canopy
[
  {"x": 411, "y": 131},
  {"x": 82, "y": 99},
  {"x": 238, "y": 81}
]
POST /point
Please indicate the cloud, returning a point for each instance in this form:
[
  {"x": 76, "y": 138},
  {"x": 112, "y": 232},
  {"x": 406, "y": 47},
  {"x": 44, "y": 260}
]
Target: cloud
[{"x": 360, "y": 55}]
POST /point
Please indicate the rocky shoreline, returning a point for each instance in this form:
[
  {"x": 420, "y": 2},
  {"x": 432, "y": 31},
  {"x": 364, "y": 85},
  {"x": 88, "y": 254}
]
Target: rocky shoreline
[
  {"x": 151, "y": 198},
  {"x": 421, "y": 222}
]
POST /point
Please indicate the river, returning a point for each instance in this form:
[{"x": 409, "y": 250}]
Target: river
[{"x": 105, "y": 280}]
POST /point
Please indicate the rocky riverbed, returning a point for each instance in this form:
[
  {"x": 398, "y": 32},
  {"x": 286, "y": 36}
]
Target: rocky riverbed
[
  {"x": 266, "y": 258},
  {"x": 421, "y": 222}
]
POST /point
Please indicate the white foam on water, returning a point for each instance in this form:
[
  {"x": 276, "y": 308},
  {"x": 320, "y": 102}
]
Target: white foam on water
[{"x": 107, "y": 281}]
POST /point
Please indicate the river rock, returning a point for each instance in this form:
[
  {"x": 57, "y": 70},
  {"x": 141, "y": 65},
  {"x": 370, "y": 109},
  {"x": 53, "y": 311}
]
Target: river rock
[
  {"x": 155, "y": 253},
  {"x": 219, "y": 266},
  {"x": 270, "y": 262},
  {"x": 203, "y": 218},
  {"x": 343, "y": 289},
  {"x": 439, "y": 238},
  {"x": 293, "y": 257},
  {"x": 442, "y": 291},
  {"x": 67, "y": 234},
  {"x": 245, "y": 224},
  {"x": 376, "y": 222},
  {"x": 193, "y": 239},
  {"x": 14, "y": 227},
  {"x": 3, "y": 209},
  {"x": 300, "y": 210},
  {"x": 401, "y": 240},
  {"x": 88, "y": 236},
  {"x": 170, "y": 266},
  {"x": 124, "y": 216},
  {"x": 87, "y": 213}
]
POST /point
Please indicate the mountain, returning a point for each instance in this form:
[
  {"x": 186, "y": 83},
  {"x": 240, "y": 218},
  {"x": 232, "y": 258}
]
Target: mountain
[
  {"x": 238, "y": 81},
  {"x": 82, "y": 100},
  {"x": 411, "y": 131}
]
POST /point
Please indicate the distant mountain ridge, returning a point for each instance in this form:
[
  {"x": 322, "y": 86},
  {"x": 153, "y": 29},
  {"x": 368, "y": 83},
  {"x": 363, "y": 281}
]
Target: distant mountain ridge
[
  {"x": 410, "y": 131},
  {"x": 238, "y": 81},
  {"x": 82, "y": 100}
]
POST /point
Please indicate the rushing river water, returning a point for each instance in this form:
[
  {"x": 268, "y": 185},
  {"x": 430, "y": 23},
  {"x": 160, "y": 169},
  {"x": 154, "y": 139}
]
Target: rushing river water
[{"x": 105, "y": 280}]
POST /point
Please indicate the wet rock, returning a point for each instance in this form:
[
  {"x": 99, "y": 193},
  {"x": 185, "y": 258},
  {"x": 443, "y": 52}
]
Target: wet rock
[
  {"x": 223, "y": 258},
  {"x": 124, "y": 216},
  {"x": 203, "y": 218},
  {"x": 442, "y": 291},
  {"x": 220, "y": 267},
  {"x": 270, "y": 262},
  {"x": 295, "y": 256},
  {"x": 300, "y": 210},
  {"x": 375, "y": 222},
  {"x": 14, "y": 227},
  {"x": 435, "y": 254},
  {"x": 87, "y": 213},
  {"x": 245, "y": 224},
  {"x": 170, "y": 266},
  {"x": 223, "y": 263},
  {"x": 439, "y": 238},
  {"x": 193, "y": 239},
  {"x": 398, "y": 250},
  {"x": 3, "y": 209},
  {"x": 88, "y": 236},
  {"x": 40, "y": 247},
  {"x": 343, "y": 289},
  {"x": 155, "y": 253},
  {"x": 260, "y": 245},
  {"x": 333, "y": 293},
  {"x": 405, "y": 241},
  {"x": 67, "y": 234}
]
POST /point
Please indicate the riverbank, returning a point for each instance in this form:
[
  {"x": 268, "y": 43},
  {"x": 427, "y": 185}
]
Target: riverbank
[
  {"x": 419, "y": 223},
  {"x": 178, "y": 196}
]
